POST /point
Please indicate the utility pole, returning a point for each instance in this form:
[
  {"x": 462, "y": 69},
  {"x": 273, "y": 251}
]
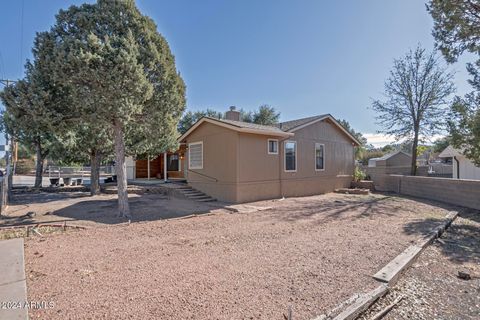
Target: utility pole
[{"x": 6, "y": 83}]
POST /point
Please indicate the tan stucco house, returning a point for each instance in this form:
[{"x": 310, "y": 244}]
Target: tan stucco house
[{"x": 235, "y": 161}]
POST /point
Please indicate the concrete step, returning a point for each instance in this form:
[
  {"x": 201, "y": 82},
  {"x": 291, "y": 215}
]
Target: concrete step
[
  {"x": 203, "y": 196},
  {"x": 189, "y": 191},
  {"x": 193, "y": 194},
  {"x": 209, "y": 199}
]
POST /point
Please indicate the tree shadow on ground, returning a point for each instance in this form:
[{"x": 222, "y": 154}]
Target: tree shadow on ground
[
  {"x": 144, "y": 207},
  {"x": 461, "y": 242},
  {"x": 354, "y": 207},
  {"x": 28, "y": 197},
  {"x": 346, "y": 209}
]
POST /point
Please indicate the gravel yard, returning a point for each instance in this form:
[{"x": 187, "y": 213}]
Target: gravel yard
[
  {"x": 79, "y": 208},
  {"x": 431, "y": 287},
  {"x": 305, "y": 253}
]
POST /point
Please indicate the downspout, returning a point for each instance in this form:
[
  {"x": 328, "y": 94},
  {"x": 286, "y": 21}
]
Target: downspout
[
  {"x": 458, "y": 166},
  {"x": 280, "y": 168}
]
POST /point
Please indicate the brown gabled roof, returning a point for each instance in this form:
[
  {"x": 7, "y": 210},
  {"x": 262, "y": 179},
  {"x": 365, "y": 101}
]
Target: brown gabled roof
[
  {"x": 284, "y": 129},
  {"x": 292, "y": 124}
]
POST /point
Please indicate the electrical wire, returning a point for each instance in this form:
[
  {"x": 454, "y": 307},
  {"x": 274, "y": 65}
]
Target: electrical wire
[
  {"x": 2, "y": 67},
  {"x": 21, "y": 36}
]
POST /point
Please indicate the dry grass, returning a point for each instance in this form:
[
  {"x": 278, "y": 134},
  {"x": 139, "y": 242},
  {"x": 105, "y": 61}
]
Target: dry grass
[{"x": 22, "y": 232}]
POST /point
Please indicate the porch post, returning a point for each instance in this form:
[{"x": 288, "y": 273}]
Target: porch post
[
  {"x": 148, "y": 167},
  {"x": 165, "y": 166}
]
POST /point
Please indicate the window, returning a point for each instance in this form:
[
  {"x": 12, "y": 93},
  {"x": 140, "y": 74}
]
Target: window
[
  {"x": 319, "y": 157},
  {"x": 290, "y": 156},
  {"x": 272, "y": 146},
  {"x": 195, "y": 155}
]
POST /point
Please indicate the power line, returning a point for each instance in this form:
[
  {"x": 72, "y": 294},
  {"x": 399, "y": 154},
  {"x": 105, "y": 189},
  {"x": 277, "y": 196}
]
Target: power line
[
  {"x": 21, "y": 36},
  {"x": 2, "y": 66}
]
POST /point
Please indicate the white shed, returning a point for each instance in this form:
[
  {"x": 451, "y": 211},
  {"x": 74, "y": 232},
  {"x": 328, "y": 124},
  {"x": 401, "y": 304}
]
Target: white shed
[{"x": 463, "y": 168}]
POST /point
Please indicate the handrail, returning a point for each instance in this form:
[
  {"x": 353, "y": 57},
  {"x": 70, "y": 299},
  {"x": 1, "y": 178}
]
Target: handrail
[{"x": 216, "y": 180}]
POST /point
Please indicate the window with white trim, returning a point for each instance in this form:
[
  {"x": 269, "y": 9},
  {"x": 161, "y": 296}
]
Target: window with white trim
[
  {"x": 195, "y": 155},
  {"x": 319, "y": 157},
  {"x": 290, "y": 156},
  {"x": 272, "y": 146}
]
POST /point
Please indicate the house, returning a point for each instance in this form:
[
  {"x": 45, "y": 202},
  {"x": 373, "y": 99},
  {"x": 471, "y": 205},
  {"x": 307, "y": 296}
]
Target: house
[
  {"x": 395, "y": 159},
  {"x": 463, "y": 168},
  {"x": 235, "y": 161}
]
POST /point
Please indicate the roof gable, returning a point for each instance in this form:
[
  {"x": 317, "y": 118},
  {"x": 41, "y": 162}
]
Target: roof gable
[
  {"x": 390, "y": 155},
  {"x": 294, "y": 125},
  {"x": 283, "y": 129},
  {"x": 450, "y": 152}
]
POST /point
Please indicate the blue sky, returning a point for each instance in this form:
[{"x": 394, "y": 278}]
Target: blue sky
[{"x": 303, "y": 57}]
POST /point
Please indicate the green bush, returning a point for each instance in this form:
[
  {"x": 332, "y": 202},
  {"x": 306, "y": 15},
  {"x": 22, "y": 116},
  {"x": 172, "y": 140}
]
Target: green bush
[{"x": 359, "y": 174}]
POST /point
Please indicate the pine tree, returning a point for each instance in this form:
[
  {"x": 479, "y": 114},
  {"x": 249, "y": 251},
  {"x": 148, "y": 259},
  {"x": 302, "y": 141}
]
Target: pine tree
[
  {"x": 26, "y": 117},
  {"x": 266, "y": 115},
  {"x": 464, "y": 119},
  {"x": 122, "y": 76}
]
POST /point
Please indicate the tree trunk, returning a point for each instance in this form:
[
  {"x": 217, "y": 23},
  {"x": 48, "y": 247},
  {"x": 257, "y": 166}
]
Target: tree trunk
[
  {"x": 95, "y": 159},
  {"x": 413, "y": 170},
  {"x": 38, "y": 165},
  {"x": 121, "y": 171}
]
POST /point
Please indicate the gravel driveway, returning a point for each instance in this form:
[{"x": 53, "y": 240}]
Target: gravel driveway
[{"x": 305, "y": 253}]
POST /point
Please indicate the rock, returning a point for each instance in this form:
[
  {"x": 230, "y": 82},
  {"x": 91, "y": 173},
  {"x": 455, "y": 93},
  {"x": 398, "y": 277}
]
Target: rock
[{"x": 465, "y": 275}]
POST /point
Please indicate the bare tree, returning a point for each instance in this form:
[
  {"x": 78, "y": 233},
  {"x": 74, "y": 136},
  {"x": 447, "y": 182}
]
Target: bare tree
[{"x": 416, "y": 98}]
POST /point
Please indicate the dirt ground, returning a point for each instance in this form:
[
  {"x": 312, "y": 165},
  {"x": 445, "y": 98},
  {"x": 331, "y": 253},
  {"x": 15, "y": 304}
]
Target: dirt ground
[
  {"x": 431, "y": 287},
  {"x": 305, "y": 253},
  {"x": 81, "y": 209}
]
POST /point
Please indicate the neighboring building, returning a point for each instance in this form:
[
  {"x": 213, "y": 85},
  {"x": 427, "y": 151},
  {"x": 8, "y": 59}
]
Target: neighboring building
[
  {"x": 235, "y": 161},
  {"x": 395, "y": 159},
  {"x": 463, "y": 168},
  {"x": 397, "y": 162}
]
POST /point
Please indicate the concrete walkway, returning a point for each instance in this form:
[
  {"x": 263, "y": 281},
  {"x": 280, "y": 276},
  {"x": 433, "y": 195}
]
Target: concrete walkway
[{"x": 13, "y": 287}]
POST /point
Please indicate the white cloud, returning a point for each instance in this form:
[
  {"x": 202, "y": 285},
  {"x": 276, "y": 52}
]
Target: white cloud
[{"x": 379, "y": 140}]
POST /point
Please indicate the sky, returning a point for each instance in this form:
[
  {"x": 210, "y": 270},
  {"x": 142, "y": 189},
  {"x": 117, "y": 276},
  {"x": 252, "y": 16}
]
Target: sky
[{"x": 304, "y": 57}]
